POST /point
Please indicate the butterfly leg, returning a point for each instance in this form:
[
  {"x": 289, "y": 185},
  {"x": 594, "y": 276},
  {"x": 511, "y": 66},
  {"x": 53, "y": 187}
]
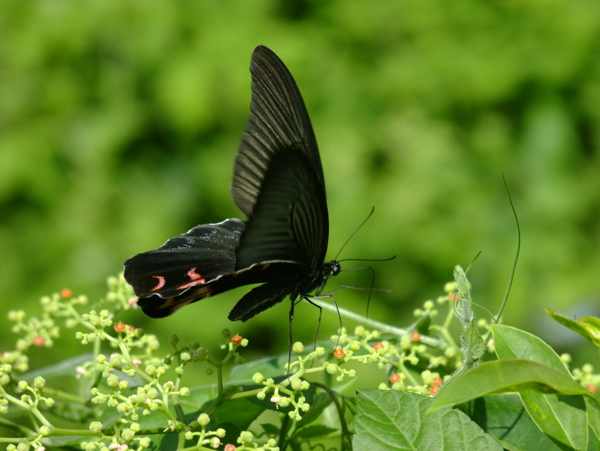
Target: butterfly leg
[
  {"x": 290, "y": 337},
  {"x": 318, "y": 322},
  {"x": 332, "y": 297},
  {"x": 343, "y": 287},
  {"x": 291, "y": 318}
]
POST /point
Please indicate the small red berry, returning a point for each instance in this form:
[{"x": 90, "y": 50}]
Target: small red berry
[
  {"x": 66, "y": 293},
  {"x": 394, "y": 378},
  {"x": 454, "y": 297},
  {"x": 592, "y": 389},
  {"x": 229, "y": 447},
  {"x": 339, "y": 353},
  {"x": 438, "y": 381},
  {"x": 120, "y": 327},
  {"x": 434, "y": 390},
  {"x": 415, "y": 336},
  {"x": 377, "y": 346},
  {"x": 39, "y": 341},
  {"x": 236, "y": 339}
]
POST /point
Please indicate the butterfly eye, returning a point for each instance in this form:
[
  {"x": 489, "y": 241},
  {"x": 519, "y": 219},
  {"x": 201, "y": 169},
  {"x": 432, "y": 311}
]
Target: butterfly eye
[{"x": 335, "y": 268}]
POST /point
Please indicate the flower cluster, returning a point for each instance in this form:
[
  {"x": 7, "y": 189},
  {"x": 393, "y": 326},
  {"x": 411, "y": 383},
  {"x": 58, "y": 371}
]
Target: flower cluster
[
  {"x": 130, "y": 393},
  {"x": 585, "y": 375}
]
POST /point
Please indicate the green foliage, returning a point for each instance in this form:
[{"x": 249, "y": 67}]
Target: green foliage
[
  {"x": 472, "y": 343},
  {"x": 408, "y": 424},
  {"x": 129, "y": 393},
  {"x": 119, "y": 131},
  {"x": 588, "y": 326}
]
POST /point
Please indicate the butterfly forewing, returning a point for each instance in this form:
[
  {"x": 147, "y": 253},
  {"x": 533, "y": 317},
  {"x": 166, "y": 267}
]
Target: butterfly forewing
[
  {"x": 289, "y": 218},
  {"x": 278, "y": 121},
  {"x": 278, "y": 179}
]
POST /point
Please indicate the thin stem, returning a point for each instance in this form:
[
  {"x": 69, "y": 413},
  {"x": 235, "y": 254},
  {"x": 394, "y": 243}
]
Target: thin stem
[
  {"x": 95, "y": 372},
  {"x": 518, "y": 251},
  {"x": 32, "y": 409},
  {"x": 382, "y": 327},
  {"x": 449, "y": 315},
  {"x": 359, "y": 318},
  {"x": 176, "y": 405},
  {"x": 220, "y": 380},
  {"x": 53, "y": 393}
]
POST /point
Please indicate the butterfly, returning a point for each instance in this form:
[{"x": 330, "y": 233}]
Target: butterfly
[{"x": 278, "y": 184}]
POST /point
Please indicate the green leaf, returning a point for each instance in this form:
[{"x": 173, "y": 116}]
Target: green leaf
[
  {"x": 462, "y": 307},
  {"x": 65, "y": 367},
  {"x": 167, "y": 440},
  {"x": 594, "y": 442},
  {"x": 504, "y": 417},
  {"x": 314, "y": 431},
  {"x": 562, "y": 417},
  {"x": 64, "y": 440},
  {"x": 270, "y": 429},
  {"x": 319, "y": 403},
  {"x": 233, "y": 415},
  {"x": 268, "y": 367},
  {"x": 394, "y": 420},
  {"x": 423, "y": 324},
  {"x": 198, "y": 398},
  {"x": 512, "y": 343},
  {"x": 593, "y": 411},
  {"x": 472, "y": 345},
  {"x": 506, "y": 376},
  {"x": 588, "y": 326},
  {"x": 240, "y": 412}
]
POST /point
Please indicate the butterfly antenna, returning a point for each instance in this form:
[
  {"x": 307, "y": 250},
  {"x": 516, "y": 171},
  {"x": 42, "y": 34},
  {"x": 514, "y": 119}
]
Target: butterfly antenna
[
  {"x": 354, "y": 233},
  {"x": 360, "y": 259},
  {"x": 371, "y": 289}
]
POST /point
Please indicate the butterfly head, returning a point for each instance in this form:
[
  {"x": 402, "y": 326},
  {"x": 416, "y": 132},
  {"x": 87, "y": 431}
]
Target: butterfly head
[{"x": 332, "y": 268}]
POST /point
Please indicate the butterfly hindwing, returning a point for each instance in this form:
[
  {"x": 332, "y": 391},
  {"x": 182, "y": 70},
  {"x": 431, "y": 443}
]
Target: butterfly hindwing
[
  {"x": 159, "y": 306},
  {"x": 258, "y": 299},
  {"x": 187, "y": 260}
]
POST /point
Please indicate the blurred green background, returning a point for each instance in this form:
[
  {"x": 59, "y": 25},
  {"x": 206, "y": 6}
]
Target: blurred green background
[{"x": 120, "y": 121}]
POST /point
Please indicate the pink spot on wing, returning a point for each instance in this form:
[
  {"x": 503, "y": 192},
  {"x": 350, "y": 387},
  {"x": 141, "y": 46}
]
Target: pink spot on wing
[
  {"x": 193, "y": 275},
  {"x": 196, "y": 279},
  {"x": 160, "y": 284}
]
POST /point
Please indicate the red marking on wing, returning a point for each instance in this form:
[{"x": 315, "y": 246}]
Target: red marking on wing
[
  {"x": 160, "y": 284},
  {"x": 196, "y": 279},
  {"x": 193, "y": 275}
]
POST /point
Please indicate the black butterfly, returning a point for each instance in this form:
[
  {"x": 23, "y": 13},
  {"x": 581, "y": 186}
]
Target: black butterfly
[{"x": 278, "y": 184}]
